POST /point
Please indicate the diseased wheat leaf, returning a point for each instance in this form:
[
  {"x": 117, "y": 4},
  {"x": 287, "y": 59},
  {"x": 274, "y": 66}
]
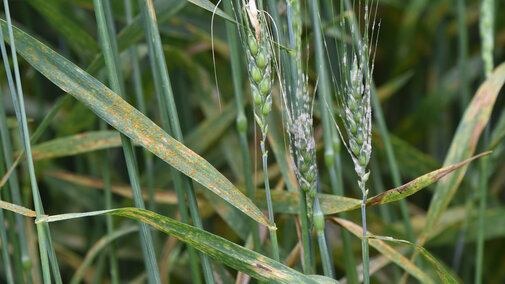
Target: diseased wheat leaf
[
  {"x": 463, "y": 145},
  {"x": 379, "y": 244},
  {"x": 128, "y": 120},
  {"x": 76, "y": 144},
  {"x": 288, "y": 202},
  {"x": 124, "y": 190},
  {"x": 222, "y": 250},
  {"x": 419, "y": 183},
  {"x": 17, "y": 209}
]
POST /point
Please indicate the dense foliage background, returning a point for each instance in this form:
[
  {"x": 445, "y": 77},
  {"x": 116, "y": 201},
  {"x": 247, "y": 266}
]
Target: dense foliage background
[{"x": 428, "y": 67}]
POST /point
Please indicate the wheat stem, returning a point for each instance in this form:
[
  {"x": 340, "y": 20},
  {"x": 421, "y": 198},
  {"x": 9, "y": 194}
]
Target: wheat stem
[
  {"x": 109, "y": 48},
  {"x": 3, "y": 237},
  {"x": 170, "y": 120},
  {"x": 486, "y": 33},
  {"x": 17, "y": 97}
]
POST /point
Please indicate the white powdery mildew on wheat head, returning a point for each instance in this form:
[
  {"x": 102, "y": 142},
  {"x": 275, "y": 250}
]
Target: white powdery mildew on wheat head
[{"x": 354, "y": 88}]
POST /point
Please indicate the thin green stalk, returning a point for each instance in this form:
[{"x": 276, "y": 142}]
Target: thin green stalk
[
  {"x": 53, "y": 260},
  {"x": 169, "y": 112},
  {"x": 177, "y": 177},
  {"x": 463, "y": 54},
  {"x": 241, "y": 121},
  {"x": 5, "y": 244},
  {"x": 17, "y": 97},
  {"x": 289, "y": 80},
  {"x": 483, "y": 185},
  {"x": 487, "y": 37},
  {"x": 337, "y": 185},
  {"x": 13, "y": 240},
  {"x": 109, "y": 47},
  {"x": 113, "y": 262},
  {"x": 319, "y": 226},
  {"x": 33, "y": 139},
  {"x": 364, "y": 241},
  {"x": 273, "y": 233},
  {"x": 307, "y": 258},
  {"x": 393, "y": 166},
  {"x": 307, "y": 167},
  {"x": 18, "y": 239},
  {"x": 326, "y": 112},
  {"x": 384, "y": 211},
  {"x": 139, "y": 97},
  {"x": 486, "y": 26}
]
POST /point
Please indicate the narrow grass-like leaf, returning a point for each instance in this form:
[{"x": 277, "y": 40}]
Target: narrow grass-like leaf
[
  {"x": 17, "y": 209},
  {"x": 494, "y": 227},
  {"x": 170, "y": 122},
  {"x": 133, "y": 32},
  {"x": 46, "y": 248},
  {"x": 128, "y": 120},
  {"x": 209, "y": 6},
  {"x": 464, "y": 143},
  {"x": 222, "y": 250},
  {"x": 108, "y": 44},
  {"x": 97, "y": 248},
  {"x": 287, "y": 202},
  {"x": 124, "y": 190},
  {"x": 18, "y": 237},
  {"x": 76, "y": 144},
  {"x": 389, "y": 88},
  {"x": 278, "y": 146},
  {"x": 241, "y": 121},
  {"x": 77, "y": 38},
  {"x": 444, "y": 274},
  {"x": 212, "y": 129},
  {"x": 387, "y": 251},
  {"x": 417, "y": 184},
  {"x": 12, "y": 122},
  {"x": 414, "y": 162}
]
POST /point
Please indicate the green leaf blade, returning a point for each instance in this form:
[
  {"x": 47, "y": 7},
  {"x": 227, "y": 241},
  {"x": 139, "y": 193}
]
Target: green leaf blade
[{"x": 129, "y": 121}]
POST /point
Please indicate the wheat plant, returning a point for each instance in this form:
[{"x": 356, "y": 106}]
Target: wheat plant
[
  {"x": 259, "y": 57},
  {"x": 107, "y": 109}
]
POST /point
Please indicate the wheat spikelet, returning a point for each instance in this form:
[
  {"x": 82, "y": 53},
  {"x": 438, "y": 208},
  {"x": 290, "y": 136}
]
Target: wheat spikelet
[{"x": 259, "y": 56}]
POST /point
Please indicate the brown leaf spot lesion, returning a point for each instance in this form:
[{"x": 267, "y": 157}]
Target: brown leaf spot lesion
[
  {"x": 376, "y": 200},
  {"x": 262, "y": 267}
]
